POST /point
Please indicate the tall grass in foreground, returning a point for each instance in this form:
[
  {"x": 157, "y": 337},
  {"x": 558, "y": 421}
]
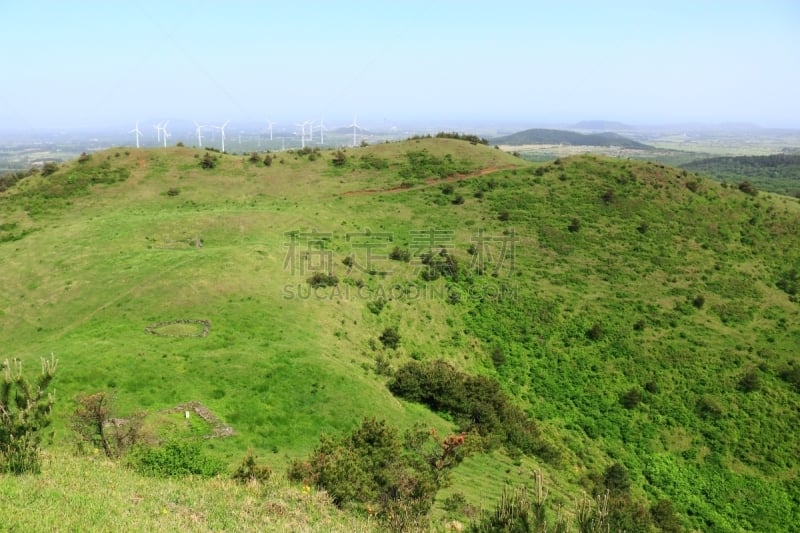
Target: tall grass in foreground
[{"x": 95, "y": 494}]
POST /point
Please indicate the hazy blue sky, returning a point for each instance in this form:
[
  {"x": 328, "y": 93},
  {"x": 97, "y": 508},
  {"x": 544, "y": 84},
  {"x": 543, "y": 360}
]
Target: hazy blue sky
[{"x": 92, "y": 63}]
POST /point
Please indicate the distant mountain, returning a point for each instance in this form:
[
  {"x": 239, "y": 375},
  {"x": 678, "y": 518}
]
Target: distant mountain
[
  {"x": 602, "y": 125},
  {"x": 545, "y": 136},
  {"x": 349, "y": 129}
]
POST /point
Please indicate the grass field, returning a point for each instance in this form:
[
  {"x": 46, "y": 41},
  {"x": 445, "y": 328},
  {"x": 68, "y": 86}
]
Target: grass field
[{"x": 166, "y": 283}]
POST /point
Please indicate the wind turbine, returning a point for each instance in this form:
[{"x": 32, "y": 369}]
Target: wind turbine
[
  {"x": 302, "y": 134},
  {"x": 164, "y": 128},
  {"x": 355, "y": 127},
  {"x": 137, "y": 132},
  {"x": 222, "y": 132},
  {"x": 269, "y": 125},
  {"x": 199, "y": 137},
  {"x": 321, "y": 130},
  {"x": 158, "y": 131}
]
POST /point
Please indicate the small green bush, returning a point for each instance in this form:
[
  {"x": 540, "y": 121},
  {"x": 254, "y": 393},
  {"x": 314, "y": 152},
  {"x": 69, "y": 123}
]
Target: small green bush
[
  {"x": 400, "y": 254},
  {"x": 174, "y": 459},
  {"x": 455, "y": 503},
  {"x": 251, "y": 472},
  {"x": 49, "y": 168},
  {"x": 789, "y": 282},
  {"x": 390, "y": 338},
  {"x": 616, "y": 478},
  {"x": 791, "y": 375},
  {"x": 439, "y": 265},
  {"x": 749, "y": 382},
  {"x": 377, "y": 305},
  {"x": 748, "y": 188},
  {"x": 631, "y": 398},
  {"x": 208, "y": 161},
  {"x": 321, "y": 279},
  {"x": 595, "y": 332},
  {"x": 339, "y": 158}
]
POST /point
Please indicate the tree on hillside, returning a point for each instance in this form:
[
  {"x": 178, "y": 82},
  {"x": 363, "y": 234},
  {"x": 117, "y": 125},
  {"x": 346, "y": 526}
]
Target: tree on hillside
[
  {"x": 24, "y": 414},
  {"x": 95, "y": 422}
]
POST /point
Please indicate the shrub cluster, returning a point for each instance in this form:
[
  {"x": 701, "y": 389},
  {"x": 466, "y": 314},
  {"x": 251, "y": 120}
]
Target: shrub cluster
[
  {"x": 320, "y": 279},
  {"x": 476, "y": 403},
  {"x": 377, "y": 470},
  {"x": 174, "y": 459},
  {"x": 473, "y": 139},
  {"x": 339, "y": 158},
  {"x": 390, "y": 338},
  {"x": 372, "y": 162},
  {"x": 789, "y": 282},
  {"x": 421, "y": 164},
  {"x": 748, "y": 188},
  {"x": 400, "y": 254},
  {"x": 208, "y": 161},
  {"x": 251, "y": 472},
  {"x": 8, "y": 179},
  {"x": 439, "y": 265}
]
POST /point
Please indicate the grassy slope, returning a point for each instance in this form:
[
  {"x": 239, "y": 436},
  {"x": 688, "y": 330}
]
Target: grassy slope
[
  {"x": 717, "y": 242},
  {"x": 90, "y": 494},
  {"x": 91, "y": 276}
]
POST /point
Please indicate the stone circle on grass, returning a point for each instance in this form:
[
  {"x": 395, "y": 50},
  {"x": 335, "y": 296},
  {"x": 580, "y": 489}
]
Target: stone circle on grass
[
  {"x": 182, "y": 327},
  {"x": 218, "y": 427}
]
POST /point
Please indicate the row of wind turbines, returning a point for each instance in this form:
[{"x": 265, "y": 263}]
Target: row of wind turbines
[{"x": 162, "y": 134}]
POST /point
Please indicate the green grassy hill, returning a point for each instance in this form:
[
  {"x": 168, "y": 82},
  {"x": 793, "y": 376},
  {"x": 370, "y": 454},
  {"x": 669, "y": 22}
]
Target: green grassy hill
[
  {"x": 776, "y": 173},
  {"x": 643, "y": 315}
]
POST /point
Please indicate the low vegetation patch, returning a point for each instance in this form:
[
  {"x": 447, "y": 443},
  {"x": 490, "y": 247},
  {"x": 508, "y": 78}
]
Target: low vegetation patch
[
  {"x": 174, "y": 459},
  {"x": 476, "y": 403},
  {"x": 377, "y": 471},
  {"x": 321, "y": 280}
]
